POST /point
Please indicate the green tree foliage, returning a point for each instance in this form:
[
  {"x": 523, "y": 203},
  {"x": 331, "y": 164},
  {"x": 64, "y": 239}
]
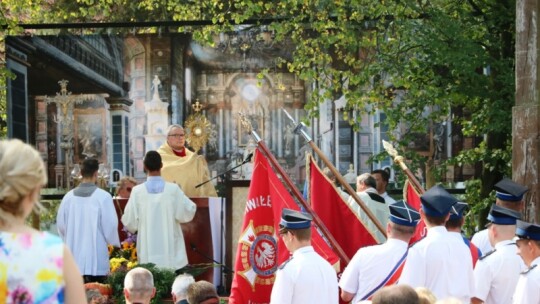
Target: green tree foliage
[{"x": 421, "y": 62}]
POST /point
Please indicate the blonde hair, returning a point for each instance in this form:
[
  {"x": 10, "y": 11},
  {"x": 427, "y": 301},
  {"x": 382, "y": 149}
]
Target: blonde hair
[
  {"x": 425, "y": 295},
  {"x": 21, "y": 171},
  {"x": 126, "y": 179},
  {"x": 139, "y": 282}
]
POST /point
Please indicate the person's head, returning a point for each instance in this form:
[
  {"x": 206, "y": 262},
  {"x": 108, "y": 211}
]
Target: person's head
[
  {"x": 176, "y": 137},
  {"x": 365, "y": 181},
  {"x": 89, "y": 168},
  {"x": 125, "y": 185},
  {"x": 528, "y": 241},
  {"x": 381, "y": 177},
  {"x": 396, "y": 294},
  {"x": 180, "y": 286},
  {"x": 202, "y": 292},
  {"x": 328, "y": 173},
  {"x": 93, "y": 296},
  {"x": 456, "y": 220},
  {"x": 501, "y": 224},
  {"x": 152, "y": 161},
  {"x": 139, "y": 286},
  {"x": 22, "y": 174},
  {"x": 425, "y": 295},
  {"x": 402, "y": 221},
  {"x": 436, "y": 206},
  {"x": 509, "y": 194},
  {"x": 295, "y": 229}
]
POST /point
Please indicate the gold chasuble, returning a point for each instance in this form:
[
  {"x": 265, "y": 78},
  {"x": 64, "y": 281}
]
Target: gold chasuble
[{"x": 187, "y": 172}]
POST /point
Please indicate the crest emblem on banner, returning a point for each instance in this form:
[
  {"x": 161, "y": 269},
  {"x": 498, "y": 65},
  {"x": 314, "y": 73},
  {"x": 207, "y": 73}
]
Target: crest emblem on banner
[{"x": 259, "y": 254}]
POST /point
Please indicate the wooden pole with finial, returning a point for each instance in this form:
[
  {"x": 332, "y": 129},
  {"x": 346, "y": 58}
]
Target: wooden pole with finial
[
  {"x": 246, "y": 124},
  {"x": 398, "y": 159},
  {"x": 299, "y": 129}
]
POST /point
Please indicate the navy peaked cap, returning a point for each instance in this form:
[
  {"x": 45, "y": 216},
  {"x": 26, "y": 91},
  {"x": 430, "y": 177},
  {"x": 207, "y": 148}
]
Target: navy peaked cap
[
  {"x": 528, "y": 231},
  {"x": 503, "y": 216},
  {"x": 292, "y": 219},
  {"x": 404, "y": 214},
  {"x": 437, "y": 201},
  {"x": 457, "y": 210},
  {"x": 508, "y": 190}
]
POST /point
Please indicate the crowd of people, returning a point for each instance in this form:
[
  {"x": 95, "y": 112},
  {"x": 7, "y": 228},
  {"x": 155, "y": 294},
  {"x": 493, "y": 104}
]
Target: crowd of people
[{"x": 499, "y": 264}]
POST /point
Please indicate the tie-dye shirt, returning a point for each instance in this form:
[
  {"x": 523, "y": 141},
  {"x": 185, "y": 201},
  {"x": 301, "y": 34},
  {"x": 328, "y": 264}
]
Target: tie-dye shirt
[{"x": 31, "y": 268}]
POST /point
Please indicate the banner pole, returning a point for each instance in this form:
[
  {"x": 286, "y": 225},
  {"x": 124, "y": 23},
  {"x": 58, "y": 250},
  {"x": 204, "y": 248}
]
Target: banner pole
[
  {"x": 299, "y": 129},
  {"x": 264, "y": 149},
  {"x": 401, "y": 162}
]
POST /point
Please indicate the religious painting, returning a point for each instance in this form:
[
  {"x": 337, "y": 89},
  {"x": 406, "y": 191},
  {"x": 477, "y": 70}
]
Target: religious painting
[{"x": 90, "y": 135}]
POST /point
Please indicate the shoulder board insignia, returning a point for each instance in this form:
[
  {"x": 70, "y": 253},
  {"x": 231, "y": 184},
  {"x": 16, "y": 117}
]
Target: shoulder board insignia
[
  {"x": 487, "y": 254},
  {"x": 528, "y": 269},
  {"x": 285, "y": 263}
]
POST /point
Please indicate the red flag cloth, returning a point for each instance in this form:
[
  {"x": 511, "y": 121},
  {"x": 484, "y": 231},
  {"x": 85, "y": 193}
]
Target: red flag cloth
[
  {"x": 413, "y": 198},
  {"x": 260, "y": 251},
  {"x": 342, "y": 222}
]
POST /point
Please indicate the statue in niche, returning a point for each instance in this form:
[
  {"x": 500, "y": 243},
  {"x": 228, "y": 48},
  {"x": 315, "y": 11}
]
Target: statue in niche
[
  {"x": 155, "y": 87},
  {"x": 288, "y": 136}
]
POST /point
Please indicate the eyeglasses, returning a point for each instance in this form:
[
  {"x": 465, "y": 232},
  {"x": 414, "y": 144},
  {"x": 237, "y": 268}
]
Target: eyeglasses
[{"x": 176, "y": 135}]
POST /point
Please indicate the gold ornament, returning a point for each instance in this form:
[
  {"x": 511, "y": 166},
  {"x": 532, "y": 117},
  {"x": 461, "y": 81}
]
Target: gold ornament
[{"x": 198, "y": 128}]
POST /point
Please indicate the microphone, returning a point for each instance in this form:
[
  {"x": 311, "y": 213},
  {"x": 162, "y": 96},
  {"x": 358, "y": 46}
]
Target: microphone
[{"x": 248, "y": 158}]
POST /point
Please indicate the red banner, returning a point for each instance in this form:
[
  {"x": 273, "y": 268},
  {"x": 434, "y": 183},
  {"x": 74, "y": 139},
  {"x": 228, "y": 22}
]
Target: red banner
[
  {"x": 260, "y": 251},
  {"x": 413, "y": 198},
  {"x": 336, "y": 214}
]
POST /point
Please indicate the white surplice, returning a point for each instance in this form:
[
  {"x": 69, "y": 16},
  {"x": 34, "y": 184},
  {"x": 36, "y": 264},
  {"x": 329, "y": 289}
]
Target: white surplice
[
  {"x": 87, "y": 225},
  {"x": 157, "y": 217}
]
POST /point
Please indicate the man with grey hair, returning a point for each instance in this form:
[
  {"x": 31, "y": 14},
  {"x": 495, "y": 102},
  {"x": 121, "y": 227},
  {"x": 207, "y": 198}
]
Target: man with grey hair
[
  {"x": 139, "y": 286},
  {"x": 184, "y": 167},
  {"x": 180, "y": 288},
  {"x": 366, "y": 188}
]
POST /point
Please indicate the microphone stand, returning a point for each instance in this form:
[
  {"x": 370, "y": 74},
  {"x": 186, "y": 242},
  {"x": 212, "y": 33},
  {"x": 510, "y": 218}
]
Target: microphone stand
[
  {"x": 224, "y": 268},
  {"x": 245, "y": 161}
]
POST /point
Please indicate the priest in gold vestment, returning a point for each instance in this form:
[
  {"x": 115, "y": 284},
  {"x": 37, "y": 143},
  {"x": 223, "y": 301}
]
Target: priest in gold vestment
[{"x": 183, "y": 167}]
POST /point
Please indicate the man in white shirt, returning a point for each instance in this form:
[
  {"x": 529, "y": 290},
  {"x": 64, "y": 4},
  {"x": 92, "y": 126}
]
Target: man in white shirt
[
  {"x": 367, "y": 192},
  {"x": 87, "y": 222},
  {"x": 497, "y": 272},
  {"x": 439, "y": 262},
  {"x": 155, "y": 211},
  {"x": 528, "y": 243},
  {"x": 374, "y": 267},
  {"x": 454, "y": 224},
  {"x": 383, "y": 177},
  {"x": 139, "y": 286},
  {"x": 306, "y": 277},
  {"x": 509, "y": 194}
]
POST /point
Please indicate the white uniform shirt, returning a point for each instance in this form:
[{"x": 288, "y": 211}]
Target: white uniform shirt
[
  {"x": 442, "y": 263},
  {"x": 157, "y": 217},
  {"x": 388, "y": 199},
  {"x": 305, "y": 278},
  {"x": 481, "y": 240},
  {"x": 528, "y": 286},
  {"x": 370, "y": 266},
  {"x": 496, "y": 275},
  {"x": 87, "y": 224}
]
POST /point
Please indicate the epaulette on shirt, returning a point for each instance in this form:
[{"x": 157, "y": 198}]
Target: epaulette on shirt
[
  {"x": 285, "y": 263},
  {"x": 487, "y": 254},
  {"x": 529, "y": 269}
]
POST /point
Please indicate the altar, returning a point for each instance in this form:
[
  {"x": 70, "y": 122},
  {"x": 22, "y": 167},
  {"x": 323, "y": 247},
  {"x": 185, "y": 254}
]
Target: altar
[{"x": 203, "y": 236}]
